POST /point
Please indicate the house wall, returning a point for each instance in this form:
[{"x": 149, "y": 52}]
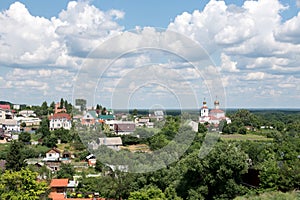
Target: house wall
[
  {"x": 204, "y": 112},
  {"x": 2, "y": 114},
  {"x": 10, "y": 125},
  {"x": 88, "y": 121},
  {"x": 58, "y": 123},
  {"x": 27, "y": 113},
  {"x": 52, "y": 155},
  {"x": 13, "y": 128}
]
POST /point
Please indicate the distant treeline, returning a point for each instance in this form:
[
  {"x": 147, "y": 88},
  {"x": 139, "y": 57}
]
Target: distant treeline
[{"x": 175, "y": 112}]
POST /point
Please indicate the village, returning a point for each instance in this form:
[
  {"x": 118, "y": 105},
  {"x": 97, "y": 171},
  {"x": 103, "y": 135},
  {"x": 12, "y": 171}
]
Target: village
[
  {"x": 65, "y": 144},
  {"x": 19, "y": 120}
]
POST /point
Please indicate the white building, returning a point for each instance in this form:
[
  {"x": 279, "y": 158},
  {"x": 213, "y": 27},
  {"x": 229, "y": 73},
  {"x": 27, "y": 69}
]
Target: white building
[
  {"x": 29, "y": 121},
  {"x": 60, "y": 120},
  {"x": 10, "y": 125},
  {"x": 6, "y": 114},
  {"x": 158, "y": 115},
  {"x": 52, "y": 155},
  {"x": 213, "y": 116},
  {"x": 27, "y": 113},
  {"x": 143, "y": 122}
]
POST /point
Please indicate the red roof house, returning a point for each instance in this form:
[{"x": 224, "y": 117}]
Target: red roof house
[
  {"x": 60, "y": 120},
  {"x": 5, "y": 107}
]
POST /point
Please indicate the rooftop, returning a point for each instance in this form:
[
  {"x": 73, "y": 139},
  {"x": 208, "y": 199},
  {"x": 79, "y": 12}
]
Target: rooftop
[
  {"x": 110, "y": 141},
  {"x": 106, "y": 117},
  {"x": 60, "y": 116},
  {"x": 63, "y": 182}
]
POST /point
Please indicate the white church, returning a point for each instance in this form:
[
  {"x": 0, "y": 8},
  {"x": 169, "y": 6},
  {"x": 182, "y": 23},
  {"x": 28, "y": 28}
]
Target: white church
[{"x": 213, "y": 116}]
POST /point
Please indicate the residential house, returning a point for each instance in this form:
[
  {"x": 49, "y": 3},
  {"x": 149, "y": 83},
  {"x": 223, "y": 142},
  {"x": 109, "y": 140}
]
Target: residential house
[
  {"x": 10, "y": 125},
  {"x": 53, "y": 159},
  {"x": 27, "y": 113},
  {"x": 106, "y": 117},
  {"x": 6, "y": 114},
  {"x": 52, "y": 155},
  {"x": 124, "y": 127},
  {"x": 5, "y": 106},
  {"x": 29, "y": 121},
  {"x": 59, "y": 185},
  {"x": 143, "y": 122},
  {"x": 111, "y": 124},
  {"x": 158, "y": 115},
  {"x": 60, "y": 120},
  {"x": 91, "y": 159},
  {"x": 111, "y": 142},
  {"x": 90, "y": 118}
]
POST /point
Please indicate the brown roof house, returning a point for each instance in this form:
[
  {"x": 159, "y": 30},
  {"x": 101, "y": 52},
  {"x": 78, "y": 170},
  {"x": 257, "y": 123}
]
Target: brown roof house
[
  {"x": 53, "y": 159},
  {"x": 124, "y": 127}
]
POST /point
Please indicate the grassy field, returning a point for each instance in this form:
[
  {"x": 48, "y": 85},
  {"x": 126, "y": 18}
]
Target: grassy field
[
  {"x": 239, "y": 137},
  {"x": 137, "y": 148}
]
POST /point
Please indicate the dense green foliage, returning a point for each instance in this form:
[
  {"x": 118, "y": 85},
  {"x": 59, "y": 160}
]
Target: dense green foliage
[
  {"x": 15, "y": 159},
  {"x": 272, "y": 196},
  {"x": 151, "y": 193},
  {"x": 66, "y": 171},
  {"x": 25, "y": 137},
  {"x": 21, "y": 185},
  {"x": 222, "y": 174}
]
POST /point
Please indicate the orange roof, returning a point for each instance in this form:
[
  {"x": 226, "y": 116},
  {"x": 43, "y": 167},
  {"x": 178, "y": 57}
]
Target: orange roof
[
  {"x": 60, "y": 116},
  {"x": 62, "y": 182},
  {"x": 56, "y": 196}
]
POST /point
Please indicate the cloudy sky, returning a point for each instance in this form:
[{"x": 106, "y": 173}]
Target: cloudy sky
[{"x": 146, "y": 54}]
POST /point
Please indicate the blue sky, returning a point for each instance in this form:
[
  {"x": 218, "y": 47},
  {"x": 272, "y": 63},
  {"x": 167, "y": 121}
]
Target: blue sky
[
  {"x": 253, "y": 45},
  {"x": 138, "y": 12}
]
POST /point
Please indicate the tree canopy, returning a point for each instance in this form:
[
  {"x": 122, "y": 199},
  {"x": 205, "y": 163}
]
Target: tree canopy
[
  {"x": 21, "y": 185},
  {"x": 15, "y": 159}
]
